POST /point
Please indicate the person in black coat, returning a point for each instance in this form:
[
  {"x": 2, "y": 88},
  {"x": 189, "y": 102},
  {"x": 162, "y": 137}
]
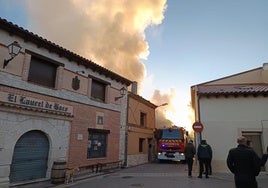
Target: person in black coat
[
  {"x": 264, "y": 158},
  {"x": 210, "y": 166},
  {"x": 245, "y": 164},
  {"x": 204, "y": 154},
  {"x": 189, "y": 155}
]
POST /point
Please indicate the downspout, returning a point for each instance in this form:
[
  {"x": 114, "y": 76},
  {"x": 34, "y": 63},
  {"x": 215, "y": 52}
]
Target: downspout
[{"x": 126, "y": 135}]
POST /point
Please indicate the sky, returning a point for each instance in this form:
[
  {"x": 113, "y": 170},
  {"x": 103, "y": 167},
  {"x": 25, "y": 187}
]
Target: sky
[{"x": 167, "y": 46}]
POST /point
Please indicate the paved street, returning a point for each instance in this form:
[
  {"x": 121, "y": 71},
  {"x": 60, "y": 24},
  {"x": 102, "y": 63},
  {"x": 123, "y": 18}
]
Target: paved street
[
  {"x": 164, "y": 175},
  {"x": 153, "y": 175}
]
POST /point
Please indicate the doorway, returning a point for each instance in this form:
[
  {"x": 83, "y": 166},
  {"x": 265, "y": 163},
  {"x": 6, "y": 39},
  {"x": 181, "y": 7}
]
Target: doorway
[
  {"x": 150, "y": 150},
  {"x": 30, "y": 157},
  {"x": 255, "y": 138}
]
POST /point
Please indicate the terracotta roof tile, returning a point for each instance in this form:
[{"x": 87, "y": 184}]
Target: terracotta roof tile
[
  {"x": 233, "y": 89},
  {"x": 141, "y": 99}
]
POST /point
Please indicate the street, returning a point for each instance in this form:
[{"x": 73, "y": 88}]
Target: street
[{"x": 160, "y": 175}]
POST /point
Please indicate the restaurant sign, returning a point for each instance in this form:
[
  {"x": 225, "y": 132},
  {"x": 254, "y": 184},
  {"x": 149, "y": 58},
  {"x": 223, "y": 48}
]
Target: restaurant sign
[{"x": 25, "y": 101}]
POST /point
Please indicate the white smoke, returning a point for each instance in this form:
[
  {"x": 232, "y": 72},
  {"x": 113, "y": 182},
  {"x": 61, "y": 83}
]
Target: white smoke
[{"x": 109, "y": 32}]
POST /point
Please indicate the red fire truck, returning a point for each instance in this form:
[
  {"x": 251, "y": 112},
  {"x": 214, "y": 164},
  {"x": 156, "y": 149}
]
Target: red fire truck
[{"x": 171, "y": 143}]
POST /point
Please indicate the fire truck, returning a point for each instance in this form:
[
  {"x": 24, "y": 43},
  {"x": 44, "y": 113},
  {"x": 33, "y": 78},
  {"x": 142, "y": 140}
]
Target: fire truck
[{"x": 171, "y": 143}]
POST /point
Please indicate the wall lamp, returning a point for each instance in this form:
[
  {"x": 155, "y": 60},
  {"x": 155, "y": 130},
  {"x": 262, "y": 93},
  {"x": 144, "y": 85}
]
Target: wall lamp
[
  {"x": 13, "y": 50},
  {"x": 123, "y": 92}
]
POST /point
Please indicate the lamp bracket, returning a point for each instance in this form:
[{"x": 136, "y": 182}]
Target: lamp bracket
[
  {"x": 117, "y": 98},
  {"x": 13, "y": 50},
  {"x": 6, "y": 61}
]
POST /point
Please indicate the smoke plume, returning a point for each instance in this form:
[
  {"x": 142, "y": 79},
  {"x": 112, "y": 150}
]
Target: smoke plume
[
  {"x": 178, "y": 112},
  {"x": 108, "y": 32},
  {"x": 160, "y": 113},
  {"x": 111, "y": 33}
]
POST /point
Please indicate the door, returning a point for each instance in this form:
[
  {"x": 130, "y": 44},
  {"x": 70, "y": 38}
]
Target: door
[
  {"x": 30, "y": 157},
  {"x": 255, "y": 138},
  {"x": 150, "y": 150}
]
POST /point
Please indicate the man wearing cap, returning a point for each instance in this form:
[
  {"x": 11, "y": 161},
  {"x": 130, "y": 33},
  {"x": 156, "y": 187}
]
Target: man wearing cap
[{"x": 245, "y": 164}]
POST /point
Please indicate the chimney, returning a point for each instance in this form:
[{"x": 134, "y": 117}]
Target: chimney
[
  {"x": 264, "y": 74},
  {"x": 134, "y": 87},
  {"x": 265, "y": 66}
]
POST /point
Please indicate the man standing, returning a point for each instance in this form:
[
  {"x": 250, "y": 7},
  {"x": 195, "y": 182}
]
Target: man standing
[
  {"x": 209, "y": 165},
  {"x": 204, "y": 154},
  {"x": 264, "y": 157},
  {"x": 245, "y": 164},
  {"x": 189, "y": 155}
]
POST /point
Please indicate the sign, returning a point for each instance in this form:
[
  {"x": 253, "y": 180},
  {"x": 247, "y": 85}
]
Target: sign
[
  {"x": 198, "y": 127},
  {"x": 30, "y": 102}
]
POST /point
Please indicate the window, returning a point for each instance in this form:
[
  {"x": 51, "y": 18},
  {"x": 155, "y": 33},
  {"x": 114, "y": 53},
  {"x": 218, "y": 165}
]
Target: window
[
  {"x": 172, "y": 134},
  {"x": 42, "y": 72},
  {"x": 100, "y": 120},
  {"x": 98, "y": 90},
  {"x": 97, "y": 143},
  {"x": 141, "y": 143},
  {"x": 143, "y": 119}
]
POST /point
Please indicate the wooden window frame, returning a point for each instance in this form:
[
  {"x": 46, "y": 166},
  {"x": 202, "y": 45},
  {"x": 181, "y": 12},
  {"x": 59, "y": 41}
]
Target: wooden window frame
[
  {"x": 143, "y": 119},
  {"x": 97, "y": 143},
  {"x": 39, "y": 62}
]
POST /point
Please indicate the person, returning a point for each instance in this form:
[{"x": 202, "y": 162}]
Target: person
[
  {"x": 209, "y": 165},
  {"x": 189, "y": 155},
  {"x": 264, "y": 157},
  {"x": 244, "y": 163},
  {"x": 204, "y": 154}
]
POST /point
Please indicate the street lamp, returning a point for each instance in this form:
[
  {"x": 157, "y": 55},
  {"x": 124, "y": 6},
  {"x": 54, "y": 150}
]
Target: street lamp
[
  {"x": 123, "y": 92},
  {"x": 156, "y": 119},
  {"x": 164, "y": 104},
  {"x": 13, "y": 50},
  {"x": 161, "y": 116}
]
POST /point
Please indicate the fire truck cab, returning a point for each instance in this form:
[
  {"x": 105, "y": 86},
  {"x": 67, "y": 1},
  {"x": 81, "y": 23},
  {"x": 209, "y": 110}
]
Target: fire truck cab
[{"x": 171, "y": 143}]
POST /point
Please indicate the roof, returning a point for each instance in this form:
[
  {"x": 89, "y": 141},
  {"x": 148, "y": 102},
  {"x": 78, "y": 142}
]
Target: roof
[
  {"x": 28, "y": 36},
  {"x": 230, "y": 76},
  {"x": 141, "y": 99},
  {"x": 233, "y": 89}
]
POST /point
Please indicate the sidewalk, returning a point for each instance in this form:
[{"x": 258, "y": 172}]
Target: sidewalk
[{"x": 46, "y": 183}]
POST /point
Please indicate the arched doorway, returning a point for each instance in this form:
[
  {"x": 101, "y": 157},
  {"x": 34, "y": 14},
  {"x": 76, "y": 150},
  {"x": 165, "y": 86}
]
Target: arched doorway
[{"x": 30, "y": 157}]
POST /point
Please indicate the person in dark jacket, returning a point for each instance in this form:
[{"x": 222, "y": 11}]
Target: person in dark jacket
[
  {"x": 264, "y": 157},
  {"x": 204, "y": 154},
  {"x": 209, "y": 166},
  {"x": 244, "y": 163},
  {"x": 189, "y": 155}
]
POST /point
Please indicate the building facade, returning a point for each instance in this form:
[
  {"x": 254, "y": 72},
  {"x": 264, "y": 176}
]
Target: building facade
[
  {"x": 140, "y": 130},
  {"x": 230, "y": 107},
  {"x": 55, "y": 106}
]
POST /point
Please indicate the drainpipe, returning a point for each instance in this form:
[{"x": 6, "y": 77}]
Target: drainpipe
[{"x": 126, "y": 134}]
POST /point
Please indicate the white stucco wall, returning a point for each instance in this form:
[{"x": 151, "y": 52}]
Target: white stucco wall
[
  {"x": 224, "y": 119},
  {"x": 14, "y": 124}
]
